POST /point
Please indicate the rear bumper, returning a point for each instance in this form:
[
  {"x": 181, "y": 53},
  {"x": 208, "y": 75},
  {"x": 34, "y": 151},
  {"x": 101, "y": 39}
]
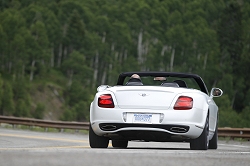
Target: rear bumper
[
  {"x": 118, "y": 126},
  {"x": 147, "y": 132},
  {"x": 186, "y": 124}
]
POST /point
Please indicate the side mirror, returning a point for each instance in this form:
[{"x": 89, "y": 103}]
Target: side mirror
[
  {"x": 216, "y": 92},
  {"x": 102, "y": 88}
]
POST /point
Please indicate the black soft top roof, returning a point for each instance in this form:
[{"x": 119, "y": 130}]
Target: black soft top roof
[{"x": 196, "y": 77}]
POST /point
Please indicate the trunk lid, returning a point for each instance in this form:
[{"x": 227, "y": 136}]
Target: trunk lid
[{"x": 145, "y": 97}]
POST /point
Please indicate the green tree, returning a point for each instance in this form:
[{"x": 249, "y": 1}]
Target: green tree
[
  {"x": 75, "y": 65},
  {"x": 69, "y": 115},
  {"x": 12, "y": 22},
  {"x": 3, "y": 44},
  {"x": 8, "y": 107},
  {"x": 1, "y": 94},
  {"x": 82, "y": 111},
  {"x": 39, "y": 111},
  {"x": 21, "y": 95},
  {"x": 21, "y": 109},
  {"x": 40, "y": 42},
  {"x": 230, "y": 39}
]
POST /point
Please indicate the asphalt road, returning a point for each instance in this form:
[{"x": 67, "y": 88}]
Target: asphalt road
[{"x": 29, "y": 148}]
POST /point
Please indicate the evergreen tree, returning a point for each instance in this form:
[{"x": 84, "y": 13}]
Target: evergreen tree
[{"x": 8, "y": 107}]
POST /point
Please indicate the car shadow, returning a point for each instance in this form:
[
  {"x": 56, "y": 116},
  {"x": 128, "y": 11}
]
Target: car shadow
[{"x": 151, "y": 148}]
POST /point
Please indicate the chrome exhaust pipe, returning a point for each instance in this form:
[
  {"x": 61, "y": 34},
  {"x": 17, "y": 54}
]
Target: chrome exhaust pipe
[
  {"x": 108, "y": 127},
  {"x": 178, "y": 129}
]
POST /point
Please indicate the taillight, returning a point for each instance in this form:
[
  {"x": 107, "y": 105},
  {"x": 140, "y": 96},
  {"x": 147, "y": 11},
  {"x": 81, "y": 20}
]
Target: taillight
[
  {"x": 183, "y": 103},
  {"x": 106, "y": 101}
]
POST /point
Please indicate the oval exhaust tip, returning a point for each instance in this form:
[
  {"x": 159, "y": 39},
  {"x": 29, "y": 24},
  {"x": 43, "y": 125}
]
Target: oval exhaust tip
[
  {"x": 178, "y": 129},
  {"x": 108, "y": 127}
]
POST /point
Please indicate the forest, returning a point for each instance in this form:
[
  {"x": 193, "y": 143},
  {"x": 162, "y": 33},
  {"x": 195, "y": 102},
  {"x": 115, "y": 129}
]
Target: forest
[{"x": 55, "y": 53}]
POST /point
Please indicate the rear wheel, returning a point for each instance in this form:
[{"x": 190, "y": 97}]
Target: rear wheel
[
  {"x": 96, "y": 141},
  {"x": 213, "y": 141},
  {"x": 120, "y": 143},
  {"x": 202, "y": 142}
]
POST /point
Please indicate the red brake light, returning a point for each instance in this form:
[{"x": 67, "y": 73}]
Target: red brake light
[
  {"x": 183, "y": 103},
  {"x": 106, "y": 101}
]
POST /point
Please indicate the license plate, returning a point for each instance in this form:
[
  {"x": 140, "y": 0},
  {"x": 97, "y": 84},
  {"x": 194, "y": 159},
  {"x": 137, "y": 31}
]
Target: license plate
[{"x": 142, "y": 118}]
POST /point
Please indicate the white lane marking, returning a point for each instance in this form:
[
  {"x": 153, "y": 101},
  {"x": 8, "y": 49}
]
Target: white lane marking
[
  {"x": 143, "y": 151},
  {"x": 238, "y": 146},
  {"x": 46, "y": 147}
]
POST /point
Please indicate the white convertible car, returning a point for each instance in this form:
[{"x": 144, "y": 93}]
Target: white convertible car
[{"x": 157, "y": 106}]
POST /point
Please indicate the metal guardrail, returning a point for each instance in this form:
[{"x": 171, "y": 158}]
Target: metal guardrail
[
  {"x": 44, "y": 123},
  {"x": 234, "y": 132},
  {"x": 222, "y": 132}
]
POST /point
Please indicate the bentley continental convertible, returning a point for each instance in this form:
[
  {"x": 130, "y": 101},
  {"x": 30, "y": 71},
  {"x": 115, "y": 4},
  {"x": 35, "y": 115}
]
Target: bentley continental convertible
[{"x": 155, "y": 106}]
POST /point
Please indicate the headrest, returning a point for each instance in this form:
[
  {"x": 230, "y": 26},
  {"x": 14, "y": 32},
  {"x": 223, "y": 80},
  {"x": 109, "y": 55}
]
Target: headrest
[
  {"x": 181, "y": 83},
  {"x": 134, "y": 83},
  {"x": 170, "y": 84}
]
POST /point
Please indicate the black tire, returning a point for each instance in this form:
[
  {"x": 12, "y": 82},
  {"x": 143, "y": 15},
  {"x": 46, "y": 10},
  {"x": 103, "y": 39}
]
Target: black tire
[
  {"x": 96, "y": 141},
  {"x": 202, "y": 142},
  {"x": 120, "y": 143},
  {"x": 213, "y": 142}
]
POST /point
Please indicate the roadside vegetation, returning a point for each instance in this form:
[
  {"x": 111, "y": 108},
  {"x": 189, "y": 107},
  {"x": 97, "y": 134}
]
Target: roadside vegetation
[{"x": 54, "y": 53}]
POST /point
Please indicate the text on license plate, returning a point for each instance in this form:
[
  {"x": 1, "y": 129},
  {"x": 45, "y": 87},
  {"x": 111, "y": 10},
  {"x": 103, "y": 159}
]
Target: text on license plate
[{"x": 142, "y": 118}]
